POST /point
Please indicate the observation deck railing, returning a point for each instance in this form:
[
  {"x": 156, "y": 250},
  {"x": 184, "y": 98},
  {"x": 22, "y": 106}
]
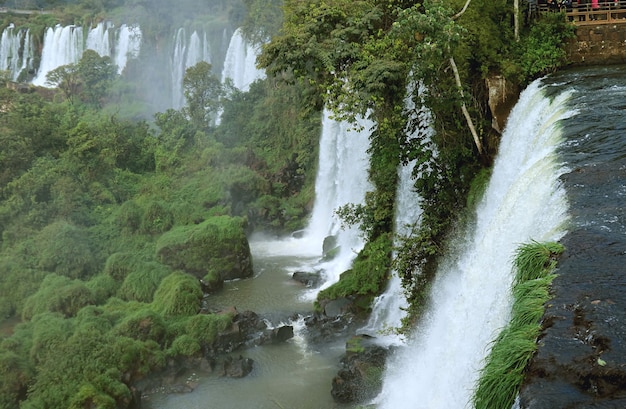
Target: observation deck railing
[{"x": 608, "y": 12}]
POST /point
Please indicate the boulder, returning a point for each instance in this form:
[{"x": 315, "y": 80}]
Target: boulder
[
  {"x": 216, "y": 249},
  {"x": 308, "y": 278},
  {"x": 237, "y": 367},
  {"x": 276, "y": 335},
  {"x": 360, "y": 377}
]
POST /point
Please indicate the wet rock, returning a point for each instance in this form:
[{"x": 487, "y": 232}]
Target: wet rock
[
  {"x": 237, "y": 367},
  {"x": 360, "y": 377},
  {"x": 329, "y": 248},
  {"x": 321, "y": 328},
  {"x": 335, "y": 308},
  {"x": 276, "y": 335},
  {"x": 308, "y": 278},
  {"x": 245, "y": 328}
]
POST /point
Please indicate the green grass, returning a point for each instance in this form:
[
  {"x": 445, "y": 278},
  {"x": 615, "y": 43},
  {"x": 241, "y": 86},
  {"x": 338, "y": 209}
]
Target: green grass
[{"x": 504, "y": 371}]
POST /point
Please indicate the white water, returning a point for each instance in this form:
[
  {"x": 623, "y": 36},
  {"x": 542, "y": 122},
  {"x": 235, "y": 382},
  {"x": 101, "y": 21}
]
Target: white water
[
  {"x": 16, "y": 51},
  {"x": 471, "y": 300},
  {"x": 240, "y": 62},
  {"x": 342, "y": 178},
  {"x": 65, "y": 45},
  {"x": 61, "y": 46},
  {"x": 188, "y": 51}
]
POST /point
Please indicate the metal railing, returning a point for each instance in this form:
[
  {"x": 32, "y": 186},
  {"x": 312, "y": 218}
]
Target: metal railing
[{"x": 604, "y": 12}]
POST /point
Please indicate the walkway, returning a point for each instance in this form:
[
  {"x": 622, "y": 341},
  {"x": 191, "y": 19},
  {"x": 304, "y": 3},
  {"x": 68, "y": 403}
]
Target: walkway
[{"x": 609, "y": 12}]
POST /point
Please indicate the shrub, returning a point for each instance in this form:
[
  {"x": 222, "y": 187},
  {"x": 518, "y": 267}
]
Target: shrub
[
  {"x": 184, "y": 345},
  {"x": 156, "y": 218},
  {"x": 178, "y": 294},
  {"x": 143, "y": 325},
  {"x": 129, "y": 216},
  {"x": 119, "y": 265},
  {"x": 102, "y": 287},
  {"x": 64, "y": 249},
  {"x": 205, "y": 327},
  {"x": 58, "y": 294},
  {"x": 141, "y": 284}
]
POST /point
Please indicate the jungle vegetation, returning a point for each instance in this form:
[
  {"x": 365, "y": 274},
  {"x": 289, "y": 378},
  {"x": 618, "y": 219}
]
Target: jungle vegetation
[{"x": 92, "y": 200}]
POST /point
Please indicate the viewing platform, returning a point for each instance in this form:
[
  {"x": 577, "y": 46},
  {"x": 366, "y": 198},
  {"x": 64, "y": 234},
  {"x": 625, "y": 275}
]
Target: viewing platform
[{"x": 608, "y": 12}]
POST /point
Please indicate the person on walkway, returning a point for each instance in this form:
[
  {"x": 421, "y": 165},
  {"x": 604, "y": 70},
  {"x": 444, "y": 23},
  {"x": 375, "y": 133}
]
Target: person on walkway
[{"x": 594, "y": 7}]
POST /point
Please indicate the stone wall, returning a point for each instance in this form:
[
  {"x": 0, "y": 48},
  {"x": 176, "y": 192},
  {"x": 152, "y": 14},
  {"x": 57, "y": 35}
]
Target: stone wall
[{"x": 599, "y": 44}]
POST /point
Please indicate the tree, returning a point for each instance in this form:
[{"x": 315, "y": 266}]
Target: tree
[
  {"x": 65, "y": 78},
  {"x": 90, "y": 78},
  {"x": 203, "y": 91},
  {"x": 96, "y": 74}
]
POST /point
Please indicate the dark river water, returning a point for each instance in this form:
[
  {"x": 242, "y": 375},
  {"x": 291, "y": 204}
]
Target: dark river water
[{"x": 581, "y": 362}]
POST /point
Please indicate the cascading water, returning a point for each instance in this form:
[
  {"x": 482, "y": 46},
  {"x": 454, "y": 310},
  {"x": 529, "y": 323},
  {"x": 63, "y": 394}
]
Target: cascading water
[
  {"x": 470, "y": 300},
  {"x": 128, "y": 45},
  {"x": 342, "y": 178},
  {"x": 16, "y": 51},
  {"x": 98, "y": 39},
  {"x": 65, "y": 45},
  {"x": 61, "y": 46},
  {"x": 187, "y": 53},
  {"x": 240, "y": 62}
]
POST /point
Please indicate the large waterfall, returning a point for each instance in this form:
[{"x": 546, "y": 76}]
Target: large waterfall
[
  {"x": 63, "y": 45},
  {"x": 16, "y": 51},
  {"x": 470, "y": 300}
]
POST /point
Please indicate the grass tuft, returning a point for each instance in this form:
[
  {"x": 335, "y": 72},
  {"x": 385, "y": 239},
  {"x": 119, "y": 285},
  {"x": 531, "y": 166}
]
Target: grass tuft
[{"x": 503, "y": 373}]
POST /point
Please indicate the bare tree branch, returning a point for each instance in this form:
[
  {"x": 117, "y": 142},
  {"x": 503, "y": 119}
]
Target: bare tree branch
[
  {"x": 460, "y": 13},
  {"x": 468, "y": 118}
]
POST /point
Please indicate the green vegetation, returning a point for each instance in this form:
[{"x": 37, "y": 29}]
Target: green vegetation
[
  {"x": 110, "y": 216},
  {"x": 368, "y": 57},
  {"x": 367, "y": 277},
  {"x": 111, "y": 226},
  {"x": 503, "y": 373}
]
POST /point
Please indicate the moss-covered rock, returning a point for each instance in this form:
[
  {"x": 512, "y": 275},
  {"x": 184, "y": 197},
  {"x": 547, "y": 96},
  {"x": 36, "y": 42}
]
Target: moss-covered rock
[{"x": 218, "y": 245}]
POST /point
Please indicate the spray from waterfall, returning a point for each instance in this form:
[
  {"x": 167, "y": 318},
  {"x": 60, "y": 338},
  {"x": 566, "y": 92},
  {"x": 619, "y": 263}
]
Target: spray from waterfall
[{"x": 470, "y": 299}]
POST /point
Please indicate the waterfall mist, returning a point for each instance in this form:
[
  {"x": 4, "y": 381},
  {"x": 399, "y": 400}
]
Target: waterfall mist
[{"x": 470, "y": 300}]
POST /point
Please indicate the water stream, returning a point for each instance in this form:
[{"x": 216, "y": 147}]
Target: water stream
[{"x": 524, "y": 201}]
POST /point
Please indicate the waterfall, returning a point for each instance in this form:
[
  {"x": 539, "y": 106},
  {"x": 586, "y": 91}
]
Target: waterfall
[
  {"x": 240, "y": 65},
  {"x": 61, "y": 46},
  {"x": 240, "y": 62},
  {"x": 16, "y": 51},
  {"x": 342, "y": 178},
  {"x": 470, "y": 299},
  {"x": 186, "y": 53},
  {"x": 65, "y": 45},
  {"x": 128, "y": 45},
  {"x": 98, "y": 39},
  {"x": 388, "y": 308}
]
